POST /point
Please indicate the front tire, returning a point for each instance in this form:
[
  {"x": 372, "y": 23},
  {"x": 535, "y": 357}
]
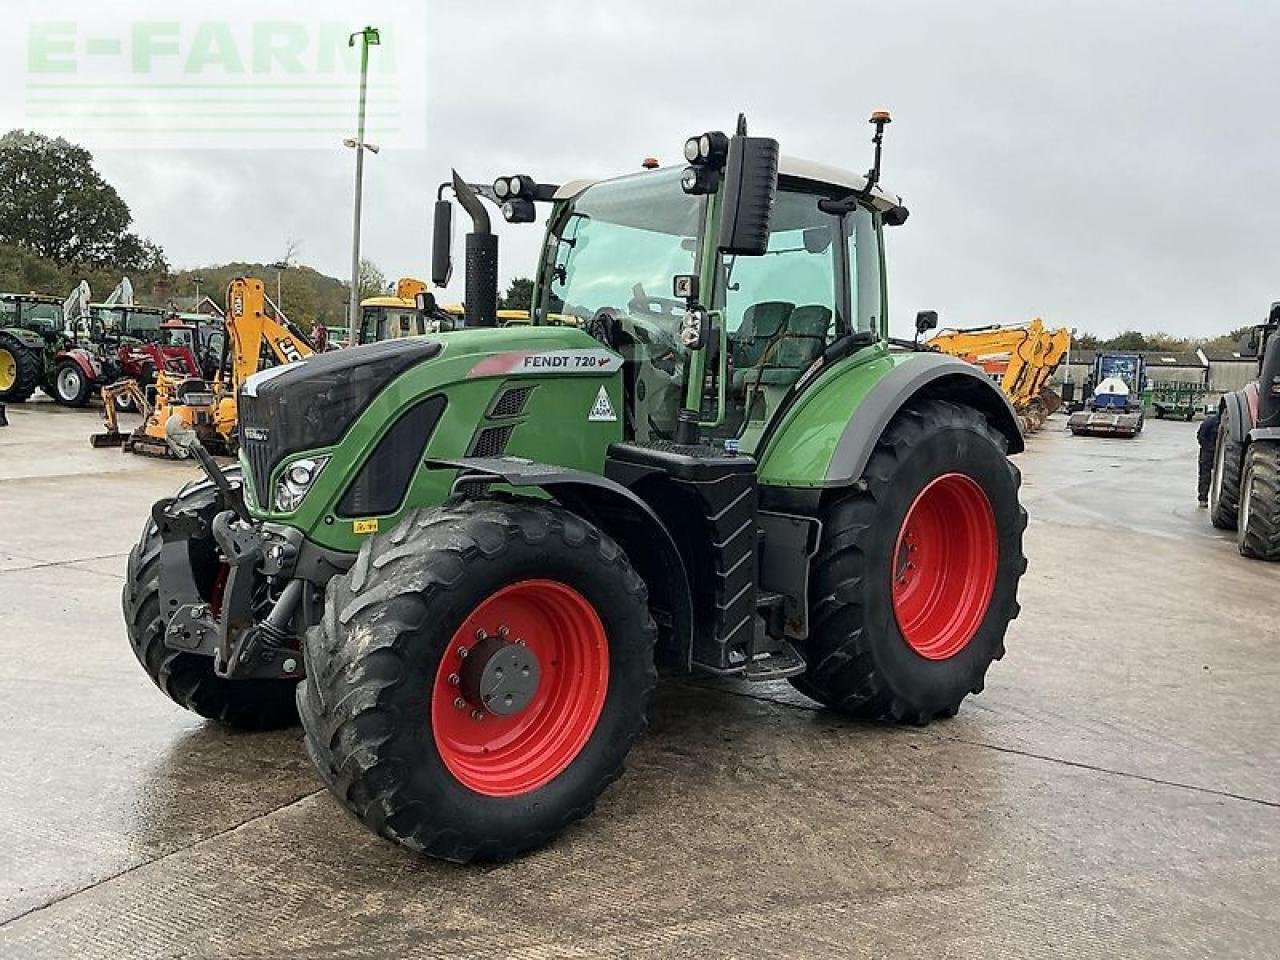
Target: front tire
[
  {"x": 1258, "y": 534},
  {"x": 186, "y": 678},
  {"x": 70, "y": 385},
  {"x": 399, "y": 717},
  {"x": 1224, "y": 488},
  {"x": 916, "y": 579}
]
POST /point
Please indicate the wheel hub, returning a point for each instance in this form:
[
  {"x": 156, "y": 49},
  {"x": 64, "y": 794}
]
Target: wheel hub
[
  {"x": 8, "y": 370},
  {"x": 500, "y": 677}
]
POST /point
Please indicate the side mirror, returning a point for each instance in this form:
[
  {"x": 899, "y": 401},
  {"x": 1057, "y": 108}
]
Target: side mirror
[
  {"x": 750, "y": 186},
  {"x": 442, "y": 244},
  {"x": 1249, "y": 344},
  {"x": 926, "y": 320}
]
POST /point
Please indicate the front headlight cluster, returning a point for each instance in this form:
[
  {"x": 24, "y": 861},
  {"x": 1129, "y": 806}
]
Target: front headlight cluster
[{"x": 296, "y": 481}]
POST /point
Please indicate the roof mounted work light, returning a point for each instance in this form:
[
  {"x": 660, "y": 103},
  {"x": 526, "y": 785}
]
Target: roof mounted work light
[
  {"x": 517, "y": 186},
  {"x": 518, "y": 210},
  {"x": 707, "y": 150}
]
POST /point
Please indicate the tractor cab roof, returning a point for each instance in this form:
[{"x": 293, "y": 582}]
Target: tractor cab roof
[{"x": 789, "y": 167}]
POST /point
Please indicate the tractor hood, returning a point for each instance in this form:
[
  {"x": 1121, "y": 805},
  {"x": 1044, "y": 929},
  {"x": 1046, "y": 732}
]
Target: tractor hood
[
  {"x": 361, "y": 425},
  {"x": 312, "y": 403}
]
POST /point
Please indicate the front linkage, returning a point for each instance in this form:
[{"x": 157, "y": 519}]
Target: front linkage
[{"x": 269, "y": 587}]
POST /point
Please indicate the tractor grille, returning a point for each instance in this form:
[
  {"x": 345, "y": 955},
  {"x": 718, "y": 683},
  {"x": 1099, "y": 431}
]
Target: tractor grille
[
  {"x": 490, "y": 442},
  {"x": 260, "y": 453},
  {"x": 511, "y": 402}
]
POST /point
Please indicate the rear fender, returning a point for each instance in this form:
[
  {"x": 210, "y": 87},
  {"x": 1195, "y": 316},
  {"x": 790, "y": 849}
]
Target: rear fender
[
  {"x": 1243, "y": 407},
  {"x": 87, "y": 363},
  {"x": 839, "y": 432},
  {"x": 613, "y": 508},
  {"x": 29, "y": 339}
]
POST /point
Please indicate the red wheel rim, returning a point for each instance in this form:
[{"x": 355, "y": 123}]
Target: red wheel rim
[
  {"x": 944, "y": 566},
  {"x": 501, "y": 756}
]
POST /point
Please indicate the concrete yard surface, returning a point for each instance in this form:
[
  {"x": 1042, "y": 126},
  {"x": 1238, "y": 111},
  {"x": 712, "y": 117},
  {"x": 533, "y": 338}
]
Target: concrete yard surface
[{"x": 1114, "y": 792}]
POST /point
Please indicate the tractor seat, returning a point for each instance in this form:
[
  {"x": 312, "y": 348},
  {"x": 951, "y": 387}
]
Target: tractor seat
[
  {"x": 790, "y": 351},
  {"x": 761, "y": 323}
]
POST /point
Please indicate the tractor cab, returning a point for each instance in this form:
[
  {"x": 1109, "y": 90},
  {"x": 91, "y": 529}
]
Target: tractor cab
[{"x": 616, "y": 248}]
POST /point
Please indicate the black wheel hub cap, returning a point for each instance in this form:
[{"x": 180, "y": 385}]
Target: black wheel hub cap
[{"x": 500, "y": 677}]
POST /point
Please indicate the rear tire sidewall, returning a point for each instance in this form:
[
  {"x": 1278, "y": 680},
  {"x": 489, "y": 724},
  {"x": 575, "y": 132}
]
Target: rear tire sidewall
[
  {"x": 934, "y": 684},
  {"x": 505, "y": 820}
]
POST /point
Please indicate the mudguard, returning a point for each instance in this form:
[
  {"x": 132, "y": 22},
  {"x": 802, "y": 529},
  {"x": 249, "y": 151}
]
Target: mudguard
[
  {"x": 1243, "y": 407},
  {"x": 27, "y": 338},
  {"x": 827, "y": 443},
  {"x": 610, "y": 506},
  {"x": 87, "y": 363}
]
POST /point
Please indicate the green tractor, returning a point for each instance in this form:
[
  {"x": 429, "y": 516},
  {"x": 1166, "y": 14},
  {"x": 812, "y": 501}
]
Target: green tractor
[
  {"x": 31, "y": 337},
  {"x": 462, "y": 557}
]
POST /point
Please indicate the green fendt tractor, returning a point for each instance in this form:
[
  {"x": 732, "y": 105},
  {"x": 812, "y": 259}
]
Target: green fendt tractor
[
  {"x": 703, "y": 453},
  {"x": 31, "y": 336}
]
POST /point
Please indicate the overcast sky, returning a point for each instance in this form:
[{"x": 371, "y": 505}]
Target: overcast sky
[{"x": 1104, "y": 165}]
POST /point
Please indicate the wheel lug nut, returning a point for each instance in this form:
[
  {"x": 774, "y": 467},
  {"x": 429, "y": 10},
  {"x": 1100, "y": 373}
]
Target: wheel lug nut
[
  {"x": 460, "y": 703},
  {"x": 519, "y": 642},
  {"x": 503, "y": 631},
  {"x": 480, "y": 634},
  {"x": 462, "y": 652},
  {"x": 454, "y": 679},
  {"x": 477, "y": 714}
]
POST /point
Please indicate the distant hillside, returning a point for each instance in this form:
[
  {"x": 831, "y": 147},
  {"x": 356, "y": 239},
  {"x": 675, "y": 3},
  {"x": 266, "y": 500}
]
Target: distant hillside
[{"x": 307, "y": 294}]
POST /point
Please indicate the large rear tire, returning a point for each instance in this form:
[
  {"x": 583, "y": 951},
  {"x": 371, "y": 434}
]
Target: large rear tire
[
  {"x": 399, "y": 704},
  {"x": 916, "y": 578},
  {"x": 1224, "y": 487},
  {"x": 185, "y": 678},
  {"x": 19, "y": 370},
  {"x": 1258, "y": 533}
]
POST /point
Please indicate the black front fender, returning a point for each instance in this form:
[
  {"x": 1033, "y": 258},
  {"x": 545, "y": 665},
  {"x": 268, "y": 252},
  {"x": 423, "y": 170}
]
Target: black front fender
[{"x": 613, "y": 508}]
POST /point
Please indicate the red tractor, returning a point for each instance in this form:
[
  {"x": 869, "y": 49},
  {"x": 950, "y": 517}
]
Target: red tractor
[{"x": 116, "y": 340}]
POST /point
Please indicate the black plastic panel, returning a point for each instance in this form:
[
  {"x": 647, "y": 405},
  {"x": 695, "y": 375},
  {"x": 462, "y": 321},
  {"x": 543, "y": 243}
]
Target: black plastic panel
[{"x": 380, "y": 486}]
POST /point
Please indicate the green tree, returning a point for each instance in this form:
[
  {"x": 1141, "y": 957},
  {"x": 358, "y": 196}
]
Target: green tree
[
  {"x": 519, "y": 295},
  {"x": 372, "y": 281},
  {"x": 1129, "y": 340},
  {"x": 1085, "y": 341},
  {"x": 56, "y": 205}
]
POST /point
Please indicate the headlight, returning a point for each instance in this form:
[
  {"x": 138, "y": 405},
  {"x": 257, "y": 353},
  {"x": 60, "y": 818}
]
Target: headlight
[
  {"x": 296, "y": 480},
  {"x": 501, "y": 188}
]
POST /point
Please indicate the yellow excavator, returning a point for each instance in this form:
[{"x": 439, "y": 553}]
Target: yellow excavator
[
  {"x": 1019, "y": 358},
  {"x": 258, "y": 336}
]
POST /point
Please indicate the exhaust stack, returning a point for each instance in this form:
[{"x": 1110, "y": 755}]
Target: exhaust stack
[{"x": 481, "y": 307}]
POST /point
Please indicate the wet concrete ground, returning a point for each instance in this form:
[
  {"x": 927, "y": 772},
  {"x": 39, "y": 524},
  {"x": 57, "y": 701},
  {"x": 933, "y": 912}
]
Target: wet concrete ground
[{"x": 1114, "y": 793}]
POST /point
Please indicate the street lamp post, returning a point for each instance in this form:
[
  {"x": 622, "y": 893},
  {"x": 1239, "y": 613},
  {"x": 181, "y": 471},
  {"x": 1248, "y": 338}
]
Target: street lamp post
[
  {"x": 280, "y": 266},
  {"x": 368, "y": 38},
  {"x": 198, "y": 280}
]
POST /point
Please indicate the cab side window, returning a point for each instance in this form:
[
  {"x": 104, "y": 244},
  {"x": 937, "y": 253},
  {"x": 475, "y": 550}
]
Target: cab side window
[{"x": 781, "y": 309}]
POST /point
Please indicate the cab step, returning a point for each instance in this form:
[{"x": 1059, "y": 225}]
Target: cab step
[{"x": 782, "y": 663}]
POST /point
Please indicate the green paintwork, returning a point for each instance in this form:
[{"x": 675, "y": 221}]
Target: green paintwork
[
  {"x": 800, "y": 449},
  {"x": 554, "y": 427}
]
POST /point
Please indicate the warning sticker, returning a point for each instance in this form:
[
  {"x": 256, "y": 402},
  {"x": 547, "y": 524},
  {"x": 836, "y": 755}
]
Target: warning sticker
[
  {"x": 602, "y": 409},
  {"x": 364, "y": 526}
]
